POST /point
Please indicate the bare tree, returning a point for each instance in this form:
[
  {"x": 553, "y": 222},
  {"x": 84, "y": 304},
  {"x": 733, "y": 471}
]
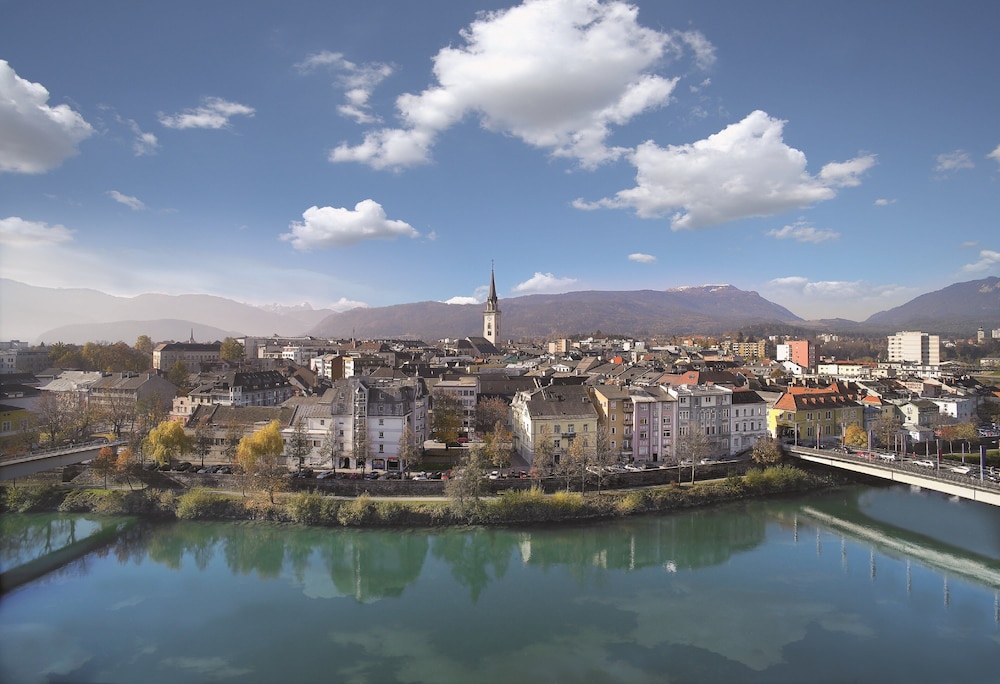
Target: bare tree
[{"x": 410, "y": 453}]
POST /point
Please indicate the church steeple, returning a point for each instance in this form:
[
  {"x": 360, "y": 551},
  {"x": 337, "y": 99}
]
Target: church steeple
[{"x": 491, "y": 315}]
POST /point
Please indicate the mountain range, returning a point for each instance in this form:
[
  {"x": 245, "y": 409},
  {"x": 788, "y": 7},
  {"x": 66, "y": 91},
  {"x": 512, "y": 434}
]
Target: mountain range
[{"x": 39, "y": 314}]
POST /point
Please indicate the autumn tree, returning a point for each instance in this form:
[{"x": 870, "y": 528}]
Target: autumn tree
[
  {"x": 118, "y": 413},
  {"x": 231, "y": 350},
  {"x": 201, "y": 444},
  {"x": 603, "y": 455},
  {"x": 489, "y": 412},
  {"x": 446, "y": 417},
  {"x": 886, "y": 428},
  {"x": 231, "y": 441},
  {"x": 258, "y": 460},
  {"x": 330, "y": 448},
  {"x": 53, "y": 416},
  {"x": 574, "y": 463},
  {"x": 167, "y": 441},
  {"x": 104, "y": 464},
  {"x": 856, "y": 436},
  {"x": 767, "y": 452},
  {"x": 497, "y": 444},
  {"x": 126, "y": 466},
  {"x": 149, "y": 413},
  {"x": 543, "y": 460},
  {"x": 144, "y": 345}
]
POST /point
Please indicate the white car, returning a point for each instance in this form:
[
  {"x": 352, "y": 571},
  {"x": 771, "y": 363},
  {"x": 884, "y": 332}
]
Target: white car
[{"x": 925, "y": 463}]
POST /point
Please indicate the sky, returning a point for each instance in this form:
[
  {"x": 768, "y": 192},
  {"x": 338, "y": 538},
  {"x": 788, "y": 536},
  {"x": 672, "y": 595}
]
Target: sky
[{"x": 839, "y": 158}]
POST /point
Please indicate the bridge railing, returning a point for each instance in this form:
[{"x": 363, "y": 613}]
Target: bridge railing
[{"x": 940, "y": 471}]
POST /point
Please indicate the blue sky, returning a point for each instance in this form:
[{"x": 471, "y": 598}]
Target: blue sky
[{"x": 838, "y": 158}]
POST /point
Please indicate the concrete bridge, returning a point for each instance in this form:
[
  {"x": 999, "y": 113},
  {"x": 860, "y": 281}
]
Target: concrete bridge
[
  {"x": 938, "y": 478},
  {"x": 39, "y": 461}
]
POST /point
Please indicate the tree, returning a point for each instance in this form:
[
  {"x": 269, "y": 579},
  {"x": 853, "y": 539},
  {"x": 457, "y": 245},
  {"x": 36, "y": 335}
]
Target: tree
[
  {"x": 574, "y": 463},
  {"x": 767, "y": 451},
  {"x": 149, "y": 413},
  {"x": 886, "y": 428},
  {"x": 104, "y": 464},
  {"x": 330, "y": 448},
  {"x": 359, "y": 449},
  {"x": 466, "y": 485},
  {"x": 167, "y": 441},
  {"x": 489, "y": 412},
  {"x": 603, "y": 455},
  {"x": 202, "y": 442},
  {"x": 543, "y": 460},
  {"x": 118, "y": 413},
  {"x": 144, "y": 345},
  {"x": 410, "y": 453},
  {"x": 178, "y": 375},
  {"x": 257, "y": 459},
  {"x": 52, "y": 416},
  {"x": 855, "y": 435},
  {"x": 299, "y": 444},
  {"x": 126, "y": 466},
  {"x": 497, "y": 444},
  {"x": 231, "y": 350},
  {"x": 231, "y": 442},
  {"x": 695, "y": 446},
  {"x": 446, "y": 417}
]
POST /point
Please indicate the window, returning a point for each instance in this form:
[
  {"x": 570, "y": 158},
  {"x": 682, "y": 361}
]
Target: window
[
  {"x": 614, "y": 404},
  {"x": 558, "y": 428},
  {"x": 381, "y": 421},
  {"x": 613, "y": 430},
  {"x": 614, "y": 417},
  {"x": 5, "y": 427},
  {"x": 381, "y": 435},
  {"x": 571, "y": 428}
]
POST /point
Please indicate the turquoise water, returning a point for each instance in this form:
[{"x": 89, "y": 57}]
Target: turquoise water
[{"x": 853, "y": 585}]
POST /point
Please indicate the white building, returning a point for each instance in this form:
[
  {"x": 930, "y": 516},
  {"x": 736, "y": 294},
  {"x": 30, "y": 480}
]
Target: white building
[
  {"x": 915, "y": 347},
  {"x": 705, "y": 408}
]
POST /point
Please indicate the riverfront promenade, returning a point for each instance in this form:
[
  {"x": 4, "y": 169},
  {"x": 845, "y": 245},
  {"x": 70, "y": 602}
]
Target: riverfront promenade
[
  {"x": 36, "y": 462},
  {"x": 938, "y": 478}
]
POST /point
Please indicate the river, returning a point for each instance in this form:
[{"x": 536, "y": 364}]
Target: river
[{"x": 854, "y": 585}]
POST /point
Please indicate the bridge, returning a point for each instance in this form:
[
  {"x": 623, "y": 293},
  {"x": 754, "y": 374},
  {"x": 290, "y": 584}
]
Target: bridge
[
  {"x": 938, "y": 477},
  {"x": 38, "y": 461}
]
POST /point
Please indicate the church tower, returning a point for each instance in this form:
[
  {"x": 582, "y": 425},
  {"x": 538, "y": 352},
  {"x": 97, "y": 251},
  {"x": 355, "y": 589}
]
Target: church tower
[{"x": 491, "y": 315}]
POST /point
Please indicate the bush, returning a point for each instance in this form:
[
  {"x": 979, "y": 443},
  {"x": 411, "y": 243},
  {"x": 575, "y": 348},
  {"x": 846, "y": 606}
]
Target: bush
[
  {"x": 202, "y": 504},
  {"x": 306, "y": 508},
  {"x": 357, "y": 512},
  {"x": 29, "y": 499}
]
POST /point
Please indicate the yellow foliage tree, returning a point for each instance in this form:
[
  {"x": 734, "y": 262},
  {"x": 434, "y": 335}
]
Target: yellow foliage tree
[
  {"x": 257, "y": 460},
  {"x": 166, "y": 441}
]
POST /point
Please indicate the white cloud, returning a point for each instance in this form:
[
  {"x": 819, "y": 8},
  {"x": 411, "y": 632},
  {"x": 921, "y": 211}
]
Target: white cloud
[
  {"x": 358, "y": 82},
  {"x": 144, "y": 144},
  {"x": 836, "y": 289},
  {"x": 970, "y": 243},
  {"x": 744, "y": 170},
  {"x": 133, "y": 203},
  {"x": 801, "y": 231},
  {"x": 461, "y": 300},
  {"x": 34, "y": 137},
  {"x": 883, "y": 202},
  {"x": 325, "y": 227},
  {"x": 988, "y": 260},
  {"x": 557, "y": 74},
  {"x": 641, "y": 258},
  {"x": 995, "y": 155},
  {"x": 16, "y": 232},
  {"x": 345, "y": 304},
  {"x": 949, "y": 162},
  {"x": 214, "y": 113},
  {"x": 544, "y": 283}
]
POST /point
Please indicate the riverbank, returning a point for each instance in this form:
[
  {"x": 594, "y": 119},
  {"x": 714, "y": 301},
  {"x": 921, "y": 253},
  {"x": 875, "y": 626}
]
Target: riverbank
[{"x": 514, "y": 507}]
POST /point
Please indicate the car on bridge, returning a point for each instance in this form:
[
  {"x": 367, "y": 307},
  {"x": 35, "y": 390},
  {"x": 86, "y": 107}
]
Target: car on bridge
[{"x": 925, "y": 463}]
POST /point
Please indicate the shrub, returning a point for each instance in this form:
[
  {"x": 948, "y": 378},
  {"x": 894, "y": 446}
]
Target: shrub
[
  {"x": 29, "y": 499},
  {"x": 357, "y": 512},
  {"x": 202, "y": 504},
  {"x": 633, "y": 502},
  {"x": 306, "y": 508}
]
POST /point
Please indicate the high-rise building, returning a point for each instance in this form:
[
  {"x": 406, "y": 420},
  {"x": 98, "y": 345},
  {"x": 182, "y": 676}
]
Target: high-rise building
[{"x": 915, "y": 347}]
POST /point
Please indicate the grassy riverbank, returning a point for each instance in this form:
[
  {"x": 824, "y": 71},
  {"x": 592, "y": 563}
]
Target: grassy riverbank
[{"x": 515, "y": 507}]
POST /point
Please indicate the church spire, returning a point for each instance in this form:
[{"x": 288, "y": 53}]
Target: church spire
[
  {"x": 491, "y": 315},
  {"x": 491, "y": 300}
]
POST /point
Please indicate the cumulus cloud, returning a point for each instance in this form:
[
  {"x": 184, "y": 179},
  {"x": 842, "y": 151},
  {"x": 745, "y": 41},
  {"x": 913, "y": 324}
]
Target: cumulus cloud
[
  {"x": 802, "y": 231},
  {"x": 744, "y": 170},
  {"x": 835, "y": 289},
  {"x": 35, "y": 137},
  {"x": 557, "y": 74},
  {"x": 16, "y": 232},
  {"x": 995, "y": 155},
  {"x": 214, "y": 113},
  {"x": 883, "y": 202},
  {"x": 358, "y": 82},
  {"x": 544, "y": 283},
  {"x": 345, "y": 304},
  {"x": 325, "y": 227},
  {"x": 988, "y": 260},
  {"x": 133, "y": 203},
  {"x": 461, "y": 300},
  {"x": 950, "y": 162},
  {"x": 641, "y": 258}
]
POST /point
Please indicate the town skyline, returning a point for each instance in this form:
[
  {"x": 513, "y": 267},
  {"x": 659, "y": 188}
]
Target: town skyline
[{"x": 826, "y": 158}]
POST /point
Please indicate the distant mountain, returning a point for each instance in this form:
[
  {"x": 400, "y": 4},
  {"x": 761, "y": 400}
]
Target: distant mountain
[
  {"x": 957, "y": 309},
  {"x": 708, "y": 309},
  {"x": 76, "y": 315}
]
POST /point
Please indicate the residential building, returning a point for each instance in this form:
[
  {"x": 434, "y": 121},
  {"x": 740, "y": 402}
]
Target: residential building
[
  {"x": 617, "y": 415},
  {"x": 243, "y": 388},
  {"x": 809, "y": 415},
  {"x": 654, "y": 433},
  {"x": 922, "y": 412},
  {"x": 14, "y": 424},
  {"x": 464, "y": 389},
  {"x": 749, "y": 415},
  {"x": 915, "y": 347},
  {"x": 125, "y": 390},
  {"x": 706, "y": 409},
  {"x": 557, "y": 414},
  {"x": 800, "y": 352}
]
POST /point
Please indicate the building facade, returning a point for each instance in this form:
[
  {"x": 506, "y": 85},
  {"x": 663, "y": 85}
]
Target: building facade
[{"x": 915, "y": 347}]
